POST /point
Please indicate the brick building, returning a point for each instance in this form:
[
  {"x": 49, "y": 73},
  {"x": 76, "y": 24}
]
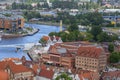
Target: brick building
[
  {"x": 91, "y": 58},
  {"x": 11, "y": 22},
  {"x": 16, "y": 71},
  {"x": 112, "y": 75},
  {"x": 63, "y": 54},
  {"x": 58, "y": 56}
]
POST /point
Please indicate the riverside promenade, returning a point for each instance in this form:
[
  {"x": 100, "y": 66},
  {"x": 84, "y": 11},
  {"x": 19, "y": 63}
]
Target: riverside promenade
[{"x": 14, "y": 35}]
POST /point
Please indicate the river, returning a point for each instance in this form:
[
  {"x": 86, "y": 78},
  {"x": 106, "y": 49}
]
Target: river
[{"x": 10, "y": 52}]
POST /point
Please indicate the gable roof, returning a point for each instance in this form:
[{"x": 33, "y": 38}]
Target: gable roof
[
  {"x": 46, "y": 38},
  {"x": 111, "y": 74},
  {"x": 89, "y": 51},
  {"x": 46, "y": 73},
  {"x": 14, "y": 67},
  {"x": 19, "y": 69},
  {"x": 89, "y": 75},
  {"x": 4, "y": 75},
  {"x": 58, "y": 50}
]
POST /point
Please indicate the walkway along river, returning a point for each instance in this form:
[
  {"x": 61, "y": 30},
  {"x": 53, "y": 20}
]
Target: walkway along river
[{"x": 10, "y": 52}]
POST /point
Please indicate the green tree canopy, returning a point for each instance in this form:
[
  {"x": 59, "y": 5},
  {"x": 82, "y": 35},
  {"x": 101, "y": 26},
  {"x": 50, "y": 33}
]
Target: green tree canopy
[
  {"x": 43, "y": 42},
  {"x": 104, "y": 37},
  {"x": 111, "y": 47},
  {"x": 63, "y": 76},
  {"x": 114, "y": 57},
  {"x": 95, "y": 31},
  {"x": 73, "y": 27}
]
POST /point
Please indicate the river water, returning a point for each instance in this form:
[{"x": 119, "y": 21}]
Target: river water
[{"x": 10, "y": 52}]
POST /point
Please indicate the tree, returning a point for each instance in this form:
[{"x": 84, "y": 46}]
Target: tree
[
  {"x": 14, "y": 5},
  {"x": 53, "y": 33},
  {"x": 95, "y": 18},
  {"x": 64, "y": 36},
  {"x": 88, "y": 36},
  {"x": 38, "y": 5},
  {"x": 43, "y": 42},
  {"x": 99, "y": 2},
  {"x": 111, "y": 47},
  {"x": 114, "y": 57},
  {"x": 103, "y": 37},
  {"x": 73, "y": 27},
  {"x": 63, "y": 76},
  {"x": 95, "y": 30}
]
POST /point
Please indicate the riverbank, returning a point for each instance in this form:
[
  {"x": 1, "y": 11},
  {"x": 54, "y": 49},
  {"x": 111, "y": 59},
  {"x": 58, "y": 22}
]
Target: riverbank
[
  {"x": 8, "y": 35},
  {"x": 9, "y": 52},
  {"x": 47, "y": 23}
]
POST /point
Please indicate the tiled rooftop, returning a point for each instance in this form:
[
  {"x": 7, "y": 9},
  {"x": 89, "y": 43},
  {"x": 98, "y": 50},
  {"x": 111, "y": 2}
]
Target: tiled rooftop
[
  {"x": 89, "y": 51},
  {"x": 46, "y": 73}
]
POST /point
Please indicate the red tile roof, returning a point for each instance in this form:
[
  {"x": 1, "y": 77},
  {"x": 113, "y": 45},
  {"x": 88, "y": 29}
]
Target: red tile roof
[
  {"x": 20, "y": 68},
  {"x": 53, "y": 50},
  {"x": 4, "y": 75},
  {"x": 35, "y": 67},
  {"x": 89, "y": 51},
  {"x": 46, "y": 73},
  {"x": 89, "y": 75},
  {"x": 11, "y": 59},
  {"x": 112, "y": 74},
  {"x": 14, "y": 68},
  {"x": 46, "y": 38},
  {"x": 3, "y": 65}
]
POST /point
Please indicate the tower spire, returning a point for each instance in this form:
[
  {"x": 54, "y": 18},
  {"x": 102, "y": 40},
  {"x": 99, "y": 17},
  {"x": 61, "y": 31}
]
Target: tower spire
[{"x": 60, "y": 25}]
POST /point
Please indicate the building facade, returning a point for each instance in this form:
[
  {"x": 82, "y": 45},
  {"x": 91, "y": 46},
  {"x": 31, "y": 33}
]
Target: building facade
[
  {"x": 58, "y": 56},
  {"x": 13, "y": 22},
  {"x": 16, "y": 71},
  {"x": 91, "y": 58}
]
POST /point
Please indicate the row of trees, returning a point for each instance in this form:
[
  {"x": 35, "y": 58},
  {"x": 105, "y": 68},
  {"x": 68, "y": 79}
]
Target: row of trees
[
  {"x": 64, "y": 4},
  {"x": 22, "y": 6},
  {"x": 31, "y": 14},
  {"x": 56, "y": 4},
  {"x": 29, "y": 6},
  {"x": 90, "y": 18},
  {"x": 95, "y": 34},
  {"x": 100, "y": 36}
]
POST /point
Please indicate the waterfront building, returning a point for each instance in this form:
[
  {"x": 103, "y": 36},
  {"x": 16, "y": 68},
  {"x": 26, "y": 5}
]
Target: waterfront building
[
  {"x": 11, "y": 22},
  {"x": 50, "y": 40},
  {"x": 91, "y": 58}
]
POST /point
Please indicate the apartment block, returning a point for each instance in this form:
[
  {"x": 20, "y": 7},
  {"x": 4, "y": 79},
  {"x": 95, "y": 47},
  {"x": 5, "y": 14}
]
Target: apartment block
[
  {"x": 11, "y": 22},
  {"x": 91, "y": 58}
]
